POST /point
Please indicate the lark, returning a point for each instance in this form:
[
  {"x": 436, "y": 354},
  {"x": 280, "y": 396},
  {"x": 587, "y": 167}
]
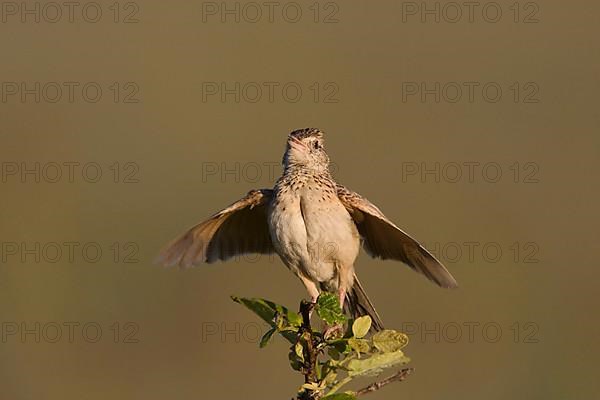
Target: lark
[{"x": 314, "y": 224}]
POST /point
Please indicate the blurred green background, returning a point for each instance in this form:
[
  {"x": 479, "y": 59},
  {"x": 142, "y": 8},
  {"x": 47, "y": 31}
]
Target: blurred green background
[{"x": 522, "y": 324}]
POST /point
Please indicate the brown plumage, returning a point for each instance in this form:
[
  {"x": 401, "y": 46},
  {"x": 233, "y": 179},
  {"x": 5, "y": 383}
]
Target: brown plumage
[{"x": 304, "y": 213}]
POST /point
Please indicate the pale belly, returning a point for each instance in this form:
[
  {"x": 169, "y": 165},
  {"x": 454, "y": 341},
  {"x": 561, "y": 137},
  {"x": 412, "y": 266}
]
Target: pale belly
[{"x": 312, "y": 236}]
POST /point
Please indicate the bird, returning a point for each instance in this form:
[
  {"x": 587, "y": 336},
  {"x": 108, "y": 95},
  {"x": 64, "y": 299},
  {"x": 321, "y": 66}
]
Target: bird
[{"x": 314, "y": 224}]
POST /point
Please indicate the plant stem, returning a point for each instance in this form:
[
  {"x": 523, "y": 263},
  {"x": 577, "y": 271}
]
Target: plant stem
[
  {"x": 397, "y": 377},
  {"x": 310, "y": 365}
]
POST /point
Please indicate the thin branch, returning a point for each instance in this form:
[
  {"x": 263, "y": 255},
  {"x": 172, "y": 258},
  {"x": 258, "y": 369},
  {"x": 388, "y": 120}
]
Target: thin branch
[
  {"x": 397, "y": 377},
  {"x": 310, "y": 365},
  {"x": 307, "y": 333}
]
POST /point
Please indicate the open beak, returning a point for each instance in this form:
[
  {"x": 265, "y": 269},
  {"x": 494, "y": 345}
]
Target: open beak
[{"x": 297, "y": 144}]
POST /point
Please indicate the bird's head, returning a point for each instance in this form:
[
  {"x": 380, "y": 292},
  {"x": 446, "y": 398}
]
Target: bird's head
[{"x": 305, "y": 150}]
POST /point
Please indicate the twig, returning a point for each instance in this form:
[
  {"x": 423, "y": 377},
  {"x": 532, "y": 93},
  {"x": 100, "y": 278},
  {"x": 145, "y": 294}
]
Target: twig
[
  {"x": 310, "y": 365},
  {"x": 397, "y": 377}
]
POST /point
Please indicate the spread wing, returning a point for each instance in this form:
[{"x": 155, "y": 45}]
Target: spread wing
[
  {"x": 240, "y": 228},
  {"x": 383, "y": 239}
]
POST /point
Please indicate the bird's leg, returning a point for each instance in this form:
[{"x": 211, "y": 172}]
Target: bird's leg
[
  {"x": 342, "y": 296},
  {"x": 311, "y": 288}
]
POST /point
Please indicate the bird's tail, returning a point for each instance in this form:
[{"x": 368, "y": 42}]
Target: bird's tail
[{"x": 358, "y": 304}]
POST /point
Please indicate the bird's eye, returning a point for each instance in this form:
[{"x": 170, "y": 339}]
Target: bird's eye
[{"x": 317, "y": 145}]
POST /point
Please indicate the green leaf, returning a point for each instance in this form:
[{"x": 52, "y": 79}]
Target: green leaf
[
  {"x": 293, "y": 318},
  {"x": 282, "y": 323},
  {"x": 266, "y": 337},
  {"x": 328, "y": 308},
  {"x": 269, "y": 312},
  {"x": 328, "y": 372},
  {"x": 333, "y": 353},
  {"x": 339, "y": 396},
  {"x": 389, "y": 341},
  {"x": 341, "y": 345},
  {"x": 361, "y": 326},
  {"x": 375, "y": 364},
  {"x": 294, "y": 362},
  {"x": 299, "y": 350},
  {"x": 359, "y": 345}
]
